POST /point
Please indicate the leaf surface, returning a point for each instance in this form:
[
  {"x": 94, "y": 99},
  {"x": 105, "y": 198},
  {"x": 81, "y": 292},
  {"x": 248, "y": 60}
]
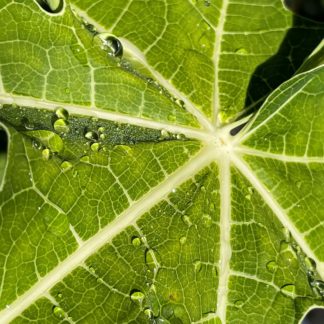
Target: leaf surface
[{"x": 124, "y": 196}]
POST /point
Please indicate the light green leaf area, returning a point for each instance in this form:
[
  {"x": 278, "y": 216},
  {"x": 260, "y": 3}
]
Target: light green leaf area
[
  {"x": 219, "y": 53},
  {"x": 123, "y": 196}
]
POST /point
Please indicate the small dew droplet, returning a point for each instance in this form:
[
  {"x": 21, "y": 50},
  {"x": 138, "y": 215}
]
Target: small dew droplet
[
  {"x": 319, "y": 285},
  {"x": 137, "y": 296},
  {"x": 59, "y": 295},
  {"x": 58, "y": 312},
  {"x": 241, "y": 51},
  {"x": 95, "y": 147},
  {"x": 136, "y": 241},
  {"x": 148, "y": 312},
  {"x": 183, "y": 240},
  {"x": 61, "y": 126},
  {"x": 206, "y": 220},
  {"x": 288, "y": 290},
  {"x": 62, "y": 113},
  {"x": 164, "y": 133},
  {"x": 272, "y": 266},
  {"x": 85, "y": 159},
  {"x": 46, "y": 154},
  {"x": 197, "y": 265},
  {"x": 66, "y": 165},
  {"x": 238, "y": 303},
  {"x": 186, "y": 220},
  {"x": 36, "y": 144},
  {"x": 91, "y": 136}
]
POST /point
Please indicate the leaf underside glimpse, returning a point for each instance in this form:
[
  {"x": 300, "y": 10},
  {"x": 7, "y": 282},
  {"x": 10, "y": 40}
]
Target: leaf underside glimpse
[{"x": 164, "y": 162}]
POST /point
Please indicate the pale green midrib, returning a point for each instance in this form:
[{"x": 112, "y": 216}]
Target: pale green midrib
[
  {"x": 216, "y": 59},
  {"x": 280, "y": 157},
  {"x": 242, "y": 166},
  {"x": 102, "y": 114},
  {"x": 131, "y": 48},
  {"x": 127, "y": 218},
  {"x": 225, "y": 244}
]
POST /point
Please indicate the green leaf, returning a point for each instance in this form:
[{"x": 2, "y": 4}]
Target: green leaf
[{"x": 124, "y": 197}]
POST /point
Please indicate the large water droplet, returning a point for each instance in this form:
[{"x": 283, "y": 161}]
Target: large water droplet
[
  {"x": 58, "y": 312},
  {"x": 288, "y": 290},
  {"x": 111, "y": 44},
  {"x": 137, "y": 296},
  {"x": 61, "y": 126}
]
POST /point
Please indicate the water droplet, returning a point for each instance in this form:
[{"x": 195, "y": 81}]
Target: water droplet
[
  {"x": 152, "y": 260},
  {"x": 206, "y": 220},
  {"x": 284, "y": 246},
  {"x": 186, "y": 220},
  {"x": 298, "y": 184},
  {"x": 102, "y": 136},
  {"x": 148, "y": 312},
  {"x": 183, "y": 240},
  {"x": 238, "y": 303},
  {"x": 310, "y": 263},
  {"x": 61, "y": 125},
  {"x": 37, "y": 144},
  {"x": 164, "y": 133},
  {"x": 79, "y": 53},
  {"x": 197, "y": 265},
  {"x": 54, "y": 5},
  {"x": 101, "y": 129},
  {"x": 62, "y": 113},
  {"x": 58, "y": 312},
  {"x": 272, "y": 266},
  {"x": 180, "y": 137},
  {"x": 207, "y": 3},
  {"x": 27, "y": 124},
  {"x": 66, "y": 165},
  {"x": 111, "y": 44},
  {"x": 100, "y": 281},
  {"x": 91, "y": 136},
  {"x": 95, "y": 147},
  {"x": 241, "y": 51},
  {"x": 172, "y": 118},
  {"x": 136, "y": 241},
  {"x": 137, "y": 296},
  {"x": 59, "y": 295},
  {"x": 319, "y": 286},
  {"x": 167, "y": 311},
  {"x": 288, "y": 290},
  {"x": 46, "y": 154},
  {"x": 85, "y": 159}
]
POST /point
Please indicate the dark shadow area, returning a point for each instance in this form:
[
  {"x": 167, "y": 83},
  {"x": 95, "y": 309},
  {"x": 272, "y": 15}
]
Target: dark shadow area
[
  {"x": 299, "y": 42},
  {"x": 312, "y": 9},
  {"x": 315, "y": 316},
  {"x": 3, "y": 152}
]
